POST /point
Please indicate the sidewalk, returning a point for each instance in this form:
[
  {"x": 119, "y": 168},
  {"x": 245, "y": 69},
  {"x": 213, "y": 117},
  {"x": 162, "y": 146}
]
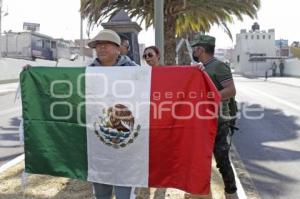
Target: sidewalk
[{"x": 290, "y": 81}]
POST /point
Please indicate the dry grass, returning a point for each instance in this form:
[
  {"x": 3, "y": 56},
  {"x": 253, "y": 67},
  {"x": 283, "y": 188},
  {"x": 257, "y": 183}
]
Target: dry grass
[
  {"x": 42, "y": 187},
  {"x": 295, "y": 51}
]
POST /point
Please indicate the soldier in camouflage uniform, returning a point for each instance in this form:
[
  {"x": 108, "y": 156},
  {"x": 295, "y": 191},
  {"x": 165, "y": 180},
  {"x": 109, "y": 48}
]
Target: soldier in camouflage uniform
[{"x": 219, "y": 72}]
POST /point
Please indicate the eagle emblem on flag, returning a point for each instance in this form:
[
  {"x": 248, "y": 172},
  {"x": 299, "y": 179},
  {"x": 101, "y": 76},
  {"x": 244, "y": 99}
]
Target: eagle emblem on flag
[{"x": 116, "y": 126}]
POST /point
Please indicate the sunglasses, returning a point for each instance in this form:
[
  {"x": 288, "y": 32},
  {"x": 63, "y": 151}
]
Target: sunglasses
[{"x": 147, "y": 55}]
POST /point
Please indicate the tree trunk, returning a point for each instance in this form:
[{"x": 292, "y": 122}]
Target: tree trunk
[
  {"x": 170, "y": 39},
  {"x": 183, "y": 56}
]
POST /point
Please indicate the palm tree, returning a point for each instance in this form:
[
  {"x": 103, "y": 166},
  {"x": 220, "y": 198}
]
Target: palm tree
[{"x": 181, "y": 17}]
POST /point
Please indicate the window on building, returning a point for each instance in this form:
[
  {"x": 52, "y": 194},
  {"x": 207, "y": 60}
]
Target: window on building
[
  {"x": 246, "y": 37},
  {"x": 238, "y": 58},
  {"x": 264, "y": 36},
  {"x": 270, "y": 36},
  {"x": 53, "y": 44},
  {"x": 252, "y": 36},
  {"x": 39, "y": 43},
  {"x": 257, "y": 36},
  {"x": 46, "y": 44}
]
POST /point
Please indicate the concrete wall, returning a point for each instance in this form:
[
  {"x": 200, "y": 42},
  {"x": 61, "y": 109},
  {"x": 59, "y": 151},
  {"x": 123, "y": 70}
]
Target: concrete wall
[
  {"x": 16, "y": 45},
  {"x": 292, "y": 67},
  {"x": 11, "y": 68}
]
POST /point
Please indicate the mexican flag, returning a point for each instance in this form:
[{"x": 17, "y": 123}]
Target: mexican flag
[{"x": 128, "y": 126}]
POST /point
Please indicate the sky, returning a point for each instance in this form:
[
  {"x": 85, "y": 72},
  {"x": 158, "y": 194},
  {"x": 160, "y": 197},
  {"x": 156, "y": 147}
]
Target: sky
[{"x": 61, "y": 19}]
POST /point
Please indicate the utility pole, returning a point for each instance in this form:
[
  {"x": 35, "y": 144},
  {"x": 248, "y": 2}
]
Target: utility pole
[
  {"x": 5, "y": 14},
  {"x": 159, "y": 27},
  {"x": 81, "y": 38},
  {"x": 0, "y": 29}
]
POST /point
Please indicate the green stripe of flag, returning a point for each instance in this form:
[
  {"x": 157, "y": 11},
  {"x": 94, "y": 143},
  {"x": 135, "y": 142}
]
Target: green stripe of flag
[{"x": 48, "y": 95}]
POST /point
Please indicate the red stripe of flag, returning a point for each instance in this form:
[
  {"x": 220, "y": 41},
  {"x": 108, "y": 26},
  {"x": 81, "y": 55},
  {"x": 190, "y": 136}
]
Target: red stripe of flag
[{"x": 181, "y": 149}]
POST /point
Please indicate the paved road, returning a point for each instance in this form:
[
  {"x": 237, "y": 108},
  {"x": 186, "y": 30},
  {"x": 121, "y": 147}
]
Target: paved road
[
  {"x": 270, "y": 146},
  {"x": 10, "y": 113}
]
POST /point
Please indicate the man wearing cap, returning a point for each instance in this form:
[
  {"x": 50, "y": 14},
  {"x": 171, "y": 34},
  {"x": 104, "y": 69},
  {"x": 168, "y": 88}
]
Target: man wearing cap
[
  {"x": 107, "y": 45},
  {"x": 219, "y": 72}
]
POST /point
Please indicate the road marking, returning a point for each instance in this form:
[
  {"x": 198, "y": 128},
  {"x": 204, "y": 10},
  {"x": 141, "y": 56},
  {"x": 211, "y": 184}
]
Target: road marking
[
  {"x": 11, "y": 163},
  {"x": 281, "y": 101},
  {"x": 12, "y": 110}
]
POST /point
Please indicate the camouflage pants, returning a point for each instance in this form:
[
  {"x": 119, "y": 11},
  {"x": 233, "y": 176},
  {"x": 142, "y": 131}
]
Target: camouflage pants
[{"x": 221, "y": 153}]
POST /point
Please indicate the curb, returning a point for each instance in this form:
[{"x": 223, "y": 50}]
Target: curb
[
  {"x": 7, "y": 91},
  {"x": 269, "y": 79},
  {"x": 282, "y": 83},
  {"x": 273, "y": 80},
  {"x": 9, "y": 81},
  {"x": 242, "y": 176},
  {"x": 240, "y": 190},
  {"x": 12, "y": 163}
]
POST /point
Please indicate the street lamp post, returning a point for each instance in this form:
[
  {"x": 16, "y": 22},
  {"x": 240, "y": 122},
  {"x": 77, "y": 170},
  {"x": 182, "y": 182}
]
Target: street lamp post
[
  {"x": 159, "y": 27},
  {"x": 0, "y": 28},
  {"x": 5, "y": 14},
  {"x": 81, "y": 38}
]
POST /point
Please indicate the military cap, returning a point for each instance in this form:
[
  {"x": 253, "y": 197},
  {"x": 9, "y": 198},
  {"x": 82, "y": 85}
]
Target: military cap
[{"x": 203, "y": 39}]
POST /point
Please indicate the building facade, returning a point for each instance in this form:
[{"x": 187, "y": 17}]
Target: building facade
[
  {"x": 254, "y": 51},
  {"x": 28, "y": 45},
  {"x": 32, "y": 45},
  {"x": 282, "y": 47}
]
